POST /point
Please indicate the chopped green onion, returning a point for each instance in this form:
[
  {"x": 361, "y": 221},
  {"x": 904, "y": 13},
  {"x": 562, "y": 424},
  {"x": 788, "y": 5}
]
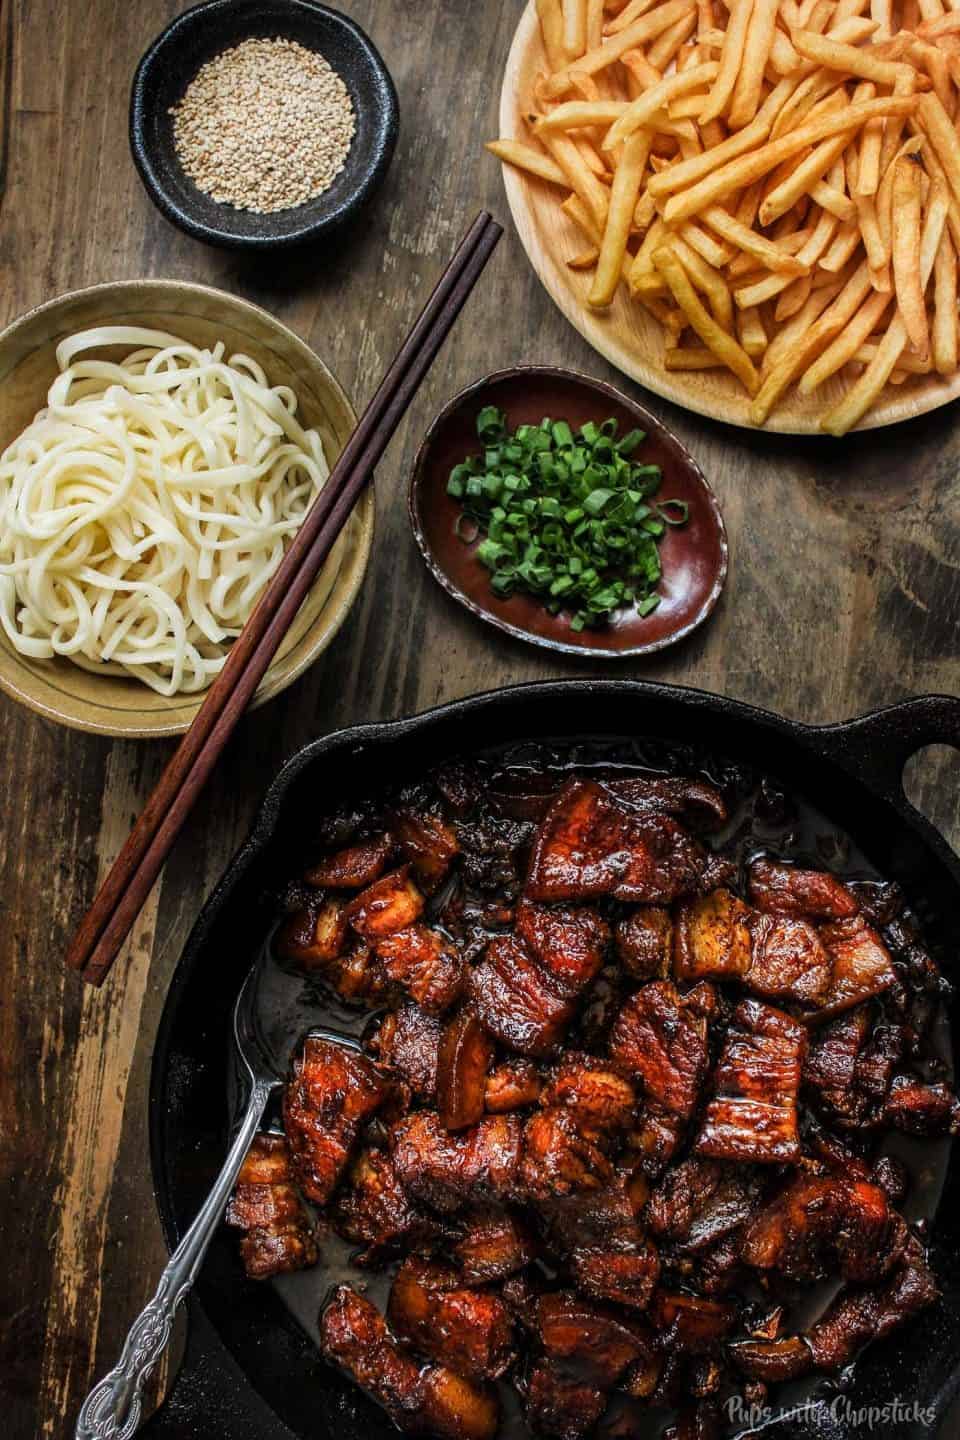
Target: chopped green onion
[{"x": 563, "y": 515}]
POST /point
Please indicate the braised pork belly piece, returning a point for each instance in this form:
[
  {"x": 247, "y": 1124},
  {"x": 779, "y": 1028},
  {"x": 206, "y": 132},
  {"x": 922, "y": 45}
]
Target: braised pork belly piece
[
  {"x": 372, "y": 1210},
  {"x": 332, "y": 1092},
  {"x": 278, "y": 1232},
  {"x": 805, "y": 894},
  {"x": 493, "y": 1246},
  {"x": 446, "y": 1170},
  {"x": 467, "y": 1329},
  {"x": 592, "y": 844},
  {"x": 622, "y": 1097},
  {"x": 429, "y": 1399},
  {"x": 753, "y": 1114}
]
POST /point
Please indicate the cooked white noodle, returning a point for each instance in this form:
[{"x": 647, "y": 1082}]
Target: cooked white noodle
[{"x": 144, "y": 510}]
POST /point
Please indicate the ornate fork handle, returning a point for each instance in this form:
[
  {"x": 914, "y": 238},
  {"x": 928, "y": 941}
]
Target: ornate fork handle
[{"x": 112, "y": 1409}]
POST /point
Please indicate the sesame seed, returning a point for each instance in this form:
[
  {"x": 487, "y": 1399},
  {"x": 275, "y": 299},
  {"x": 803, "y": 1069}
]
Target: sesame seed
[{"x": 264, "y": 126}]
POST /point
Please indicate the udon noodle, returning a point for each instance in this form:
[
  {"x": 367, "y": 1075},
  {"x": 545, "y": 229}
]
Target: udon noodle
[{"x": 143, "y": 511}]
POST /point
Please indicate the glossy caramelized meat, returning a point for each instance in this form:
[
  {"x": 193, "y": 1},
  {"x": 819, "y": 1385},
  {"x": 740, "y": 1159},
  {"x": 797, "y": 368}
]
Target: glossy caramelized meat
[
  {"x": 420, "y": 1399},
  {"x": 615, "y": 1085},
  {"x": 332, "y": 1093},
  {"x": 266, "y": 1206}
]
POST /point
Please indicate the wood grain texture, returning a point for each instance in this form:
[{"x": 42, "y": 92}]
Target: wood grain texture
[
  {"x": 626, "y": 334},
  {"x": 844, "y": 593}
]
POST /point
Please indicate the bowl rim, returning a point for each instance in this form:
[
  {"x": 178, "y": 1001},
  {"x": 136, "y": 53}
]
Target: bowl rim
[
  {"x": 364, "y": 513},
  {"x": 387, "y": 109},
  {"x": 646, "y": 418}
]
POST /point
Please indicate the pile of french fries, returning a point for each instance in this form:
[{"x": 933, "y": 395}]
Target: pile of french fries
[{"x": 776, "y": 182}]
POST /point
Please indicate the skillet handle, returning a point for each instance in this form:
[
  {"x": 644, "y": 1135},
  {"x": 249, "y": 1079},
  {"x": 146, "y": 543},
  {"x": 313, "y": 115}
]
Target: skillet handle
[{"x": 876, "y": 747}]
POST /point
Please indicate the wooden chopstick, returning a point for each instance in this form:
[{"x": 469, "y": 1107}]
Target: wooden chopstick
[{"x": 106, "y": 924}]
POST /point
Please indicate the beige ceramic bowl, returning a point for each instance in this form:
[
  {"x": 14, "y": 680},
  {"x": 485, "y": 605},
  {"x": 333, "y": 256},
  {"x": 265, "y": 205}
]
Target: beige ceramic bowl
[{"x": 105, "y": 704}]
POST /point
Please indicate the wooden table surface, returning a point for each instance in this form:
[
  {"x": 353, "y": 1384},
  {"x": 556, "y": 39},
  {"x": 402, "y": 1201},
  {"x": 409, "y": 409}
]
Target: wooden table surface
[{"x": 844, "y": 594}]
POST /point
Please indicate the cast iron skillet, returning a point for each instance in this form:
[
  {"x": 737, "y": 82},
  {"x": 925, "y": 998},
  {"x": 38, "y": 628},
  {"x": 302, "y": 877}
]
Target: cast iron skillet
[{"x": 249, "y": 1370}]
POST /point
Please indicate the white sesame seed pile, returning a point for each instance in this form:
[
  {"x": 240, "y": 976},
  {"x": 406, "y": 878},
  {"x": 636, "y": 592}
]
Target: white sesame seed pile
[{"x": 264, "y": 126}]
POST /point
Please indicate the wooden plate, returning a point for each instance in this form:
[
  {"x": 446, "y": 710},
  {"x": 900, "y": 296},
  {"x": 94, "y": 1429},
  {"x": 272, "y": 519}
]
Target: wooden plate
[
  {"x": 694, "y": 555},
  {"x": 625, "y": 334}
]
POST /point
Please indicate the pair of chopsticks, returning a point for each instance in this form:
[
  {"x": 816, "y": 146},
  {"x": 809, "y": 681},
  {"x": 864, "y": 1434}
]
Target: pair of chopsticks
[{"x": 108, "y": 921}]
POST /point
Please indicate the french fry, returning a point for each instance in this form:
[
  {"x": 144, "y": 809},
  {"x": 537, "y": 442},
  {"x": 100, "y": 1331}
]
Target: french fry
[
  {"x": 623, "y": 203},
  {"x": 731, "y": 58},
  {"x": 944, "y": 335},
  {"x": 811, "y": 169},
  {"x": 627, "y": 15},
  {"x": 837, "y": 56},
  {"x": 906, "y": 254},
  {"x": 756, "y": 53},
  {"x": 868, "y": 160},
  {"x": 713, "y": 335},
  {"x": 798, "y": 355},
  {"x": 882, "y": 12},
  {"x": 594, "y": 24},
  {"x": 586, "y": 260},
  {"x": 707, "y": 280},
  {"x": 574, "y": 14},
  {"x": 551, "y": 29},
  {"x": 753, "y": 336},
  {"x": 751, "y": 167},
  {"x": 800, "y": 323},
  {"x": 580, "y": 177},
  {"x": 773, "y": 256},
  {"x": 577, "y": 114},
  {"x": 865, "y": 390},
  {"x": 668, "y": 42},
  {"x": 643, "y": 110},
  {"x": 690, "y": 171},
  {"x": 830, "y": 197},
  {"x": 639, "y": 33},
  {"x": 943, "y": 138},
  {"x": 524, "y": 157}
]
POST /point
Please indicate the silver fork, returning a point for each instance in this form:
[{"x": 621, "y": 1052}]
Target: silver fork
[{"x": 112, "y": 1409}]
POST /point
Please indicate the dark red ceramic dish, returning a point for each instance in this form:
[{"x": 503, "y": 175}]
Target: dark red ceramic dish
[{"x": 694, "y": 555}]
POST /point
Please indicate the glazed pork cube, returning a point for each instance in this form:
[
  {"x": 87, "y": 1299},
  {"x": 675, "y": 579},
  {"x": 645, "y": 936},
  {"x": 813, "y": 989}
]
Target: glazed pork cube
[
  {"x": 861, "y": 963},
  {"x": 466, "y": 1051},
  {"x": 788, "y": 961},
  {"x": 512, "y": 1085},
  {"x": 858, "y": 1317},
  {"x": 660, "y": 1038},
  {"x": 391, "y": 903},
  {"x": 711, "y": 938},
  {"x": 428, "y": 1400},
  {"x": 921, "y": 1109},
  {"x": 494, "y": 1244},
  {"x": 266, "y": 1206},
  {"x": 568, "y": 944},
  {"x": 787, "y": 1357},
  {"x": 700, "y": 1202},
  {"x": 558, "y": 1158},
  {"x": 408, "y": 1043},
  {"x": 644, "y": 942},
  {"x": 602, "y": 1100},
  {"x": 824, "y": 1225},
  {"x": 332, "y": 1093},
  {"x": 624, "y": 1270},
  {"x": 467, "y": 1330},
  {"x": 446, "y": 1170},
  {"x": 753, "y": 1115},
  {"x": 695, "y": 1324},
  {"x": 590, "y": 845},
  {"x": 515, "y": 1001},
  {"x": 354, "y": 867},
  {"x": 560, "y": 1408},
  {"x": 590, "y": 1342},
  {"x": 372, "y": 1209},
  {"x": 424, "y": 964},
  {"x": 780, "y": 889},
  {"x": 830, "y": 1067},
  {"x": 429, "y": 844},
  {"x": 315, "y": 936},
  {"x": 695, "y": 800}
]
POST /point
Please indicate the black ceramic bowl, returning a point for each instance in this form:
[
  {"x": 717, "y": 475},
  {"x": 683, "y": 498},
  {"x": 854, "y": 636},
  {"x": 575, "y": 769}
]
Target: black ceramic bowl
[{"x": 195, "y": 37}]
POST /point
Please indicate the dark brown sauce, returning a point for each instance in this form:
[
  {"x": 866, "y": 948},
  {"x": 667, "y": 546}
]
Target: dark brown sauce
[{"x": 763, "y": 818}]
